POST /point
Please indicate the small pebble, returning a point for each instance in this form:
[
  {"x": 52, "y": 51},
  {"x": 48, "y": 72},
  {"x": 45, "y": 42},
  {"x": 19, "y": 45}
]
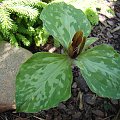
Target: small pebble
[
  {"x": 110, "y": 22},
  {"x": 62, "y": 106},
  {"x": 98, "y": 113},
  {"x": 74, "y": 85},
  {"x": 90, "y": 99},
  {"x": 76, "y": 115},
  {"x": 115, "y": 102}
]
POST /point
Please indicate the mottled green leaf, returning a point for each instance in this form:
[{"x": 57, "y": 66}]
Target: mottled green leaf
[
  {"x": 100, "y": 66},
  {"x": 62, "y": 21},
  {"x": 43, "y": 81},
  {"x": 90, "y": 41}
]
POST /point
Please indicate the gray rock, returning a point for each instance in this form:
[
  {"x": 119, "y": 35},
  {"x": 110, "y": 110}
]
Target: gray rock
[{"x": 10, "y": 60}]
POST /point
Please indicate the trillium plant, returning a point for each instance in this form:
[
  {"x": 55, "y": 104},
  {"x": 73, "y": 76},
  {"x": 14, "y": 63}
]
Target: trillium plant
[{"x": 45, "y": 79}]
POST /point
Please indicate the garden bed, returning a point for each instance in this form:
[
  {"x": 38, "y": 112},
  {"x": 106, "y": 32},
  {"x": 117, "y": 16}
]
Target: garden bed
[{"x": 83, "y": 104}]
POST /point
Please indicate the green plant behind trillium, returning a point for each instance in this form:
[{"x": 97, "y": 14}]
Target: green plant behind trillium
[
  {"x": 20, "y": 22},
  {"x": 45, "y": 79}
]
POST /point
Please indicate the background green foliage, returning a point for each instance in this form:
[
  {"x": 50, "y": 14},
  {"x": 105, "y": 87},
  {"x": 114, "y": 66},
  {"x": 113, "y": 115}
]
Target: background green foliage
[
  {"x": 20, "y": 22},
  {"x": 92, "y": 16}
]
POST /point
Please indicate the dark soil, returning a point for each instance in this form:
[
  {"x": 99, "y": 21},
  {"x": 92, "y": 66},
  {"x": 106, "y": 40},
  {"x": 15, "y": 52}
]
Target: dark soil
[{"x": 83, "y": 104}]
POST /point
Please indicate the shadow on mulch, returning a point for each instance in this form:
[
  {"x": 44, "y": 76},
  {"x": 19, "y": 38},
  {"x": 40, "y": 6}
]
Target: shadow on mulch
[{"x": 83, "y": 104}]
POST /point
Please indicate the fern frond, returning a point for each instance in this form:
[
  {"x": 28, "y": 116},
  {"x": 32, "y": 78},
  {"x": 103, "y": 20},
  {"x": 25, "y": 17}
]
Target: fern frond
[
  {"x": 22, "y": 29},
  {"x": 5, "y": 21},
  {"x": 37, "y": 41},
  {"x": 26, "y": 31},
  {"x": 13, "y": 40},
  {"x": 22, "y": 38},
  {"x": 32, "y": 3},
  {"x": 41, "y": 36},
  {"x": 31, "y": 30},
  {"x": 41, "y": 4},
  {"x": 1, "y": 37},
  {"x": 92, "y": 16},
  {"x": 19, "y": 20},
  {"x": 26, "y": 11}
]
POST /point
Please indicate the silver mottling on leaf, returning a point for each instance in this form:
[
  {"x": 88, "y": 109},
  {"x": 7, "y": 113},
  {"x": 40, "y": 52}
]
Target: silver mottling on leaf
[
  {"x": 62, "y": 21},
  {"x": 101, "y": 70},
  {"x": 43, "y": 81}
]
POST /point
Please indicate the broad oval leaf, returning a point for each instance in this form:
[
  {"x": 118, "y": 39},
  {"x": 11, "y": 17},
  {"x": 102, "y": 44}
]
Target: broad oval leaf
[
  {"x": 42, "y": 82},
  {"x": 62, "y": 21},
  {"x": 100, "y": 66}
]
